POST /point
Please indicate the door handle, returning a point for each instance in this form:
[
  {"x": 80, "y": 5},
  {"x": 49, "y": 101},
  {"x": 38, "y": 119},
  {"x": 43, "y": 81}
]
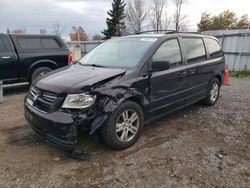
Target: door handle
[
  {"x": 6, "y": 57},
  {"x": 191, "y": 71}
]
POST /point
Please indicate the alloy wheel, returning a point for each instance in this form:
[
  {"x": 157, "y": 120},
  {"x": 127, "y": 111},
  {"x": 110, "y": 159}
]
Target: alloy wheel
[
  {"x": 127, "y": 125},
  {"x": 42, "y": 73},
  {"x": 214, "y": 92}
]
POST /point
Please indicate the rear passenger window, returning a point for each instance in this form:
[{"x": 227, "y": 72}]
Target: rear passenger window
[
  {"x": 50, "y": 43},
  {"x": 30, "y": 43},
  {"x": 2, "y": 46},
  {"x": 169, "y": 51},
  {"x": 213, "y": 48},
  {"x": 195, "y": 49},
  {"x": 36, "y": 43}
]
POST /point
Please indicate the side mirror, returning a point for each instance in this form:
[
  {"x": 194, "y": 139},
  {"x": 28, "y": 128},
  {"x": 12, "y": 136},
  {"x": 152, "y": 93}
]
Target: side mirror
[{"x": 160, "y": 65}]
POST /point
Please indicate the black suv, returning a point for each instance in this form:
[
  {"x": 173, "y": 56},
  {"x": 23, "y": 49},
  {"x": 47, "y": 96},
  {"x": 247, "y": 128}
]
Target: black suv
[
  {"x": 26, "y": 57},
  {"x": 123, "y": 84}
]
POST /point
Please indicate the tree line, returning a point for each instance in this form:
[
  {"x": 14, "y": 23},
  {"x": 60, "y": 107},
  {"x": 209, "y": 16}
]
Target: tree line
[
  {"x": 134, "y": 16},
  {"x": 222, "y": 21}
]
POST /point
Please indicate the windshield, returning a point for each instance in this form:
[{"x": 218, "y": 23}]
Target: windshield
[{"x": 121, "y": 53}]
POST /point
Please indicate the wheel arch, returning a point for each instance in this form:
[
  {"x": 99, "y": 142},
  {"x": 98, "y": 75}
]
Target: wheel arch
[
  {"x": 138, "y": 100},
  {"x": 219, "y": 77},
  {"x": 110, "y": 107},
  {"x": 136, "y": 97},
  {"x": 41, "y": 63}
]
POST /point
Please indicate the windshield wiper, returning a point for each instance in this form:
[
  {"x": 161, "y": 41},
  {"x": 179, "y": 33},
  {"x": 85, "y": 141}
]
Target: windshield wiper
[{"x": 93, "y": 65}]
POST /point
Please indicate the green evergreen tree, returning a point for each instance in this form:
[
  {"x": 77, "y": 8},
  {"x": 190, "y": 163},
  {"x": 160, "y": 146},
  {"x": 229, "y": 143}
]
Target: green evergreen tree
[{"x": 115, "y": 20}]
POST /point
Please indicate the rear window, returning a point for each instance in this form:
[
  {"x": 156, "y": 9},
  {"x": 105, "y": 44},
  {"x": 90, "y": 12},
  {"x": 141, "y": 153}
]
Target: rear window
[
  {"x": 213, "y": 48},
  {"x": 50, "y": 43},
  {"x": 34, "y": 43},
  {"x": 195, "y": 50},
  {"x": 30, "y": 43}
]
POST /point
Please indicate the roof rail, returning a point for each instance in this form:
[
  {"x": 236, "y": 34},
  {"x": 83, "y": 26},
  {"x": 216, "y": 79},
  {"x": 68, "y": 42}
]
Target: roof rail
[
  {"x": 156, "y": 31},
  {"x": 166, "y": 32},
  {"x": 191, "y": 32}
]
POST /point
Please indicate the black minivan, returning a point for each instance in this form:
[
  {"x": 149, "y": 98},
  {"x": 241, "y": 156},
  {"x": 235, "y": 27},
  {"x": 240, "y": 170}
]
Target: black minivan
[{"x": 123, "y": 84}]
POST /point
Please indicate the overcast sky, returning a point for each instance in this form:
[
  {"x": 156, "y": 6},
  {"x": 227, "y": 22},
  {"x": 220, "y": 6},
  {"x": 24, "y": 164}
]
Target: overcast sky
[{"x": 91, "y": 14}]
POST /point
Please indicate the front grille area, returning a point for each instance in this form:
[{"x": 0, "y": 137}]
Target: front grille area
[{"x": 42, "y": 100}]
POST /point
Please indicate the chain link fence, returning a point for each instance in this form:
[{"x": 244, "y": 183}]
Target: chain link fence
[{"x": 81, "y": 48}]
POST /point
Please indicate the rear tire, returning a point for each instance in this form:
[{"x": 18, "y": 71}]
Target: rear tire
[
  {"x": 213, "y": 93},
  {"x": 40, "y": 72},
  {"x": 124, "y": 126}
]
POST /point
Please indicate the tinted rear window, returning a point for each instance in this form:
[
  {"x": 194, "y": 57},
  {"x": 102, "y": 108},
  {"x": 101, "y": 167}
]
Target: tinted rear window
[
  {"x": 30, "y": 43},
  {"x": 50, "y": 43},
  {"x": 213, "y": 47},
  {"x": 35, "y": 43},
  {"x": 195, "y": 49}
]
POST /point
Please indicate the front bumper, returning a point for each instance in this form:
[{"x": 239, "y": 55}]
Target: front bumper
[{"x": 58, "y": 128}]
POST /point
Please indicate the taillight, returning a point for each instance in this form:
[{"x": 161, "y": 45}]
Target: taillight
[{"x": 70, "y": 58}]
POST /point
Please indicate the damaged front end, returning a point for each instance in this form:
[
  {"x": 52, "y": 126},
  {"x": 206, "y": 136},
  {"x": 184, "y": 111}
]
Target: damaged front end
[
  {"x": 49, "y": 114},
  {"x": 58, "y": 126},
  {"x": 61, "y": 132}
]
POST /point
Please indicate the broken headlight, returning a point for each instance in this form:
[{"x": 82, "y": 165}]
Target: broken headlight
[{"x": 79, "y": 101}]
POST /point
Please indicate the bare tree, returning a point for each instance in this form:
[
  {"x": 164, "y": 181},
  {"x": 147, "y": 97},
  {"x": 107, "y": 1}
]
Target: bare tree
[
  {"x": 136, "y": 13},
  {"x": 19, "y": 31},
  {"x": 57, "y": 28},
  {"x": 157, "y": 14},
  {"x": 166, "y": 21},
  {"x": 43, "y": 31},
  {"x": 179, "y": 18},
  {"x": 78, "y": 34}
]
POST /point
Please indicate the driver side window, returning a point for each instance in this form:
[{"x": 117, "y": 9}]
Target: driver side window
[{"x": 169, "y": 51}]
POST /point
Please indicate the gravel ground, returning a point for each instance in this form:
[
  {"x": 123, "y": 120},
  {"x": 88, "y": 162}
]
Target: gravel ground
[{"x": 195, "y": 147}]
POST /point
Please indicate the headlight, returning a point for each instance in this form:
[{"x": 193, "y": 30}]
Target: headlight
[{"x": 79, "y": 101}]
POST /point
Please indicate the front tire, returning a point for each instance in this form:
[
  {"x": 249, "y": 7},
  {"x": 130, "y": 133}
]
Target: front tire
[
  {"x": 40, "y": 72},
  {"x": 213, "y": 93},
  {"x": 124, "y": 126}
]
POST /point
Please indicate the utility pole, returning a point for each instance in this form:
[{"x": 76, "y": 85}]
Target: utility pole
[{"x": 78, "y": 34}]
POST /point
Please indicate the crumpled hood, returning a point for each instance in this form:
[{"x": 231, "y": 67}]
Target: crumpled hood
[{"x": 73, "y": 78}]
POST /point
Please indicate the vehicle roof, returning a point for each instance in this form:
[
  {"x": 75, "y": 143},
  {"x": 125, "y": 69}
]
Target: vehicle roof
[
  {"x": 32, "y": 35},
  {"x": 148, "y": 35}
]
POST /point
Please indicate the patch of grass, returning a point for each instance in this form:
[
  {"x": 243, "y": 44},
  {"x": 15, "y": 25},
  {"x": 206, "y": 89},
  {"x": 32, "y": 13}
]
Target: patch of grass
[{"x": 240, "y": 74}]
